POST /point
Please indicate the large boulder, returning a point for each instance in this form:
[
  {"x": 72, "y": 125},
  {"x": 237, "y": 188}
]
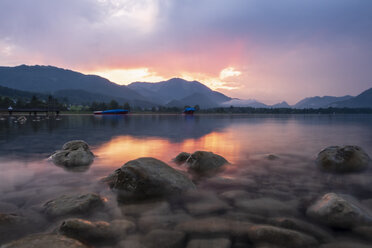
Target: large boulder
[
  {"x": 76, "y": 204},
  {"x": 201, "y": 162},
  {"x": 343, "y": 159},
  {"x": 339, "y": 211},
  {"x": 280, "y": 236},
  {"x": 45, "y": 241},
  {"x": 147, "y": 178},
  {"x": 75, "y": 153}
]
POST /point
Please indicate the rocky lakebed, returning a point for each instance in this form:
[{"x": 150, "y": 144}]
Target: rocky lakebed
[{"x": 200, "y": 200}]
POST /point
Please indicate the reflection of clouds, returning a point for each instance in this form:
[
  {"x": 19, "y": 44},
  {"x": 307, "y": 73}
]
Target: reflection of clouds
[{"x": 124, "y": 148}]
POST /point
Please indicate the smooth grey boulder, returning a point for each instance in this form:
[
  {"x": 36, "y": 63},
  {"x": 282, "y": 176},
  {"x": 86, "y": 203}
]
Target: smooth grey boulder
[
  {"x": 280, "y": 236},
  {"x": 339, "y": 211},
  {"x": 182, "y": 157},
  {"x": 93, "y": 232},
  {"x": 75, "y": 153},
  {"x": 45, "y": 241},
  {"x": 77, "y": 204},
  {"x": 144, "y": 178},
  {"x": 343, "y": 159},
  {"x": 202, "y": 162}
]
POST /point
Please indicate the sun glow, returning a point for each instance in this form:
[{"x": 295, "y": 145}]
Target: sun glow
[{"x": 127, "y": 76}]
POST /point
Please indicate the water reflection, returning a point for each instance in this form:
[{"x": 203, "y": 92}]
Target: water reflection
[
  {"x": 252, "y": 189},
  {"x": 124, "y": 148}
]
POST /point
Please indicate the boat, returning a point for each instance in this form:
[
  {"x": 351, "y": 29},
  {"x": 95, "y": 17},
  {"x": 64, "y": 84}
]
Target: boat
[
  {"x": 112, "y": 112},
  {"x": 189, "y": 111}
]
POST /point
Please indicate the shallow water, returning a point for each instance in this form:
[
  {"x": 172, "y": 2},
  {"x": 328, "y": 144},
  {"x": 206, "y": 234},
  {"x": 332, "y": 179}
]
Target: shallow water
[{"x": 252, "y": 189}]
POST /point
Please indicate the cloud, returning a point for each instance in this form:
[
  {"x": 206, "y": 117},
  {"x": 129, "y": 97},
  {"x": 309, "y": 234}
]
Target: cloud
[{"x": 280, "y": 47}]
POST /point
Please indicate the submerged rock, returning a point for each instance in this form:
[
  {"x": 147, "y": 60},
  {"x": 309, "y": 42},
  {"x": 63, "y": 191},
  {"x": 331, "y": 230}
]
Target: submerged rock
[
  {"x": 161, "y": 221},
  {"x": 93, "y": 232},
  {"x": 202, "y": 162},
  {"x": 302, "y": 226},
  {"x": 146, "y": 178},
  {"x": 364, "y": 231},
  {"x": 74, "y": 153},
  {"x": 215, "y": 226},
  {"x": 165, "y": 239},
  {"x": 280, "y": 236},
  {"x": 79, "y": 204},
  {"x": 345, "y": 244},
  {"x": 45, "y": 241},
  {"x": 204, "y": 243},
  {"x": 272, "y": 157},
  {"x": 204, "y": 203},
  {"x": 182, "y": 157},
  {"x": 339, "y": 211},
  {"x": 343, "y": 159},
  {"x": 267, "y": 207},
  {"x": 7, "y": 220}
]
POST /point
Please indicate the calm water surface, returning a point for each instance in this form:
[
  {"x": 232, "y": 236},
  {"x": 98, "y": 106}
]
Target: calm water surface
[{"x": 28, "y": 179}]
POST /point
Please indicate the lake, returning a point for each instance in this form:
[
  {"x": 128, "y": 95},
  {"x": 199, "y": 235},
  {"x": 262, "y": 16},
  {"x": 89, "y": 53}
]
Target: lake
[{"x": 254, "y": 188}]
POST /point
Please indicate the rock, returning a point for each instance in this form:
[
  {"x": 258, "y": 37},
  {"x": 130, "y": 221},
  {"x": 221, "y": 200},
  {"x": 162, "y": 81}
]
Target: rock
[
  {"x": 145, "y": 178},
  {"x": 86, "y": 231},
  {"x": 271, "y": 157},
  {"x": 79, "y": 204},
  {"x": 75, "y": 153},
  {"x": 344, "y": 244},
  {"x": 214, "y": 226},
  {"x": 367, "y": 203},
  {"x": 302, "y": 226},
  {"x": 343, "y": 159},
  {"x": 181, "y": 158},
  {"x": 164, "y": 221},
  {"x": 339, "y": 211},
  {"x": 364, "y": 231},
  {"x": 93, "y": 232},
  {"x": 202, "y": 162},
  {"x": 204, "y": 202},
  {"x": 165, "y": 239},
  {"x": 122, "y": 227},
  {"x": 280, "y": 236},
  {"x": 7, "y": 207},
  {"x": 10, "y": 219},
  {"x": 267, "y": 207},
  {"x": 146, "y": 208},
  {"x": 45, "y": 241},
  {"x": 22, "y": 119},
  {"x": 206, "y": 243},
  {"x": 233, "y": 195},
  {"x": 132, "y": 241}
]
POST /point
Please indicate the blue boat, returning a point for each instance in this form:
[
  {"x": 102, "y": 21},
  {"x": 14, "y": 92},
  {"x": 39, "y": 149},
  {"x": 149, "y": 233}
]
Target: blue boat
[
  {"x": 189, "y": 111},
  {"x": 112, "y": 112}
]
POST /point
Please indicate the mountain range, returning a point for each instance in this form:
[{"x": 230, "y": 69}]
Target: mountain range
[{"x": 79, "y": 88}]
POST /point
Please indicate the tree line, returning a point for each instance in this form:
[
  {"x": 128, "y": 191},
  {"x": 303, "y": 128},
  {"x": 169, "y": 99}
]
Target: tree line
[{"x": 63, "y": 105}]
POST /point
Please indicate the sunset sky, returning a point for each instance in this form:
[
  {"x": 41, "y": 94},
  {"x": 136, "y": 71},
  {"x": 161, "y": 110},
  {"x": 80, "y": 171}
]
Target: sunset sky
[{"x": 270, "y": 50}]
